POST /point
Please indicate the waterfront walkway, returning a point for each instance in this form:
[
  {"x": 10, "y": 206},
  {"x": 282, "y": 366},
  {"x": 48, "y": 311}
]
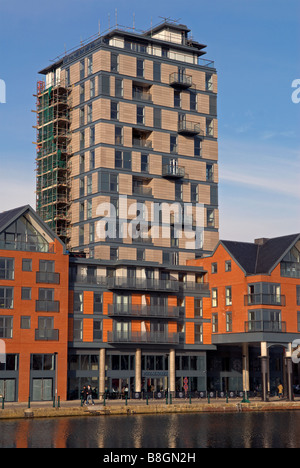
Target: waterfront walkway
[{"x": 13, "y": 410}]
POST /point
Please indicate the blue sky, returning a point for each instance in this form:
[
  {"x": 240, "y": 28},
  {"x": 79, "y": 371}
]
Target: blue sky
[{"x": 255, "y": 46}]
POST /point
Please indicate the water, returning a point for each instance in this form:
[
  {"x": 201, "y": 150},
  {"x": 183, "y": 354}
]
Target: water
[{"x": 238, "y": 430}]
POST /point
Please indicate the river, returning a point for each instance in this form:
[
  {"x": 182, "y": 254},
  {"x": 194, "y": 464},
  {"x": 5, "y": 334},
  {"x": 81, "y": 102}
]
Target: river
[{"x": 237, "y": 430}]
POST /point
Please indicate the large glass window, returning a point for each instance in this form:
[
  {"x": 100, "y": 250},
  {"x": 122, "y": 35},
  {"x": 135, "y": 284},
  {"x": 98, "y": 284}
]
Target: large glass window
[
  {"x": 6, "y": 297},
  {"x": 7, "y": 268}
]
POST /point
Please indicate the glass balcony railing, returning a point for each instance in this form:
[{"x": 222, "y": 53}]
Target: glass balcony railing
[
  {"x": 143, "y": 311},
  {"x": 122, "y": 282},
  {"x": 264, "y": 299},
  {"x": 186, "y": 127},
  {"x": 172, "y": 170},
  {"x": 181, "y": 80},
  {"x": 46, "y": 334},
  {"x": 142, "y": 337},
  {"x": 47, "y": 306},
  {"x": 47, "y": 277},
  {"x": 265, "y": 326}
]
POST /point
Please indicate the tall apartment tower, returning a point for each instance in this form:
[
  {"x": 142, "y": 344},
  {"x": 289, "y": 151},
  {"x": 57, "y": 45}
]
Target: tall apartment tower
[
  {"x": 127, "y": 173},
  {"x": 130, "y": 118}
]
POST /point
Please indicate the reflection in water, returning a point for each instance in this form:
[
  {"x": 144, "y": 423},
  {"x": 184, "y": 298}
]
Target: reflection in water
[{"x": 247, "y": 430}]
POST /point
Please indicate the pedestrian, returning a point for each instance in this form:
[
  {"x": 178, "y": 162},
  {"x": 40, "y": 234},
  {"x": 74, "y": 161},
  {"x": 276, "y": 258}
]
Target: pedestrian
[
  {"x": 280, "y": 390},
  {"x": 90, "y": 395},
  {"x": 84, "y": 395}
]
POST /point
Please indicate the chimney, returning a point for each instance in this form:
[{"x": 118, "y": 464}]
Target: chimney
[{"x": 260, "y": 241}]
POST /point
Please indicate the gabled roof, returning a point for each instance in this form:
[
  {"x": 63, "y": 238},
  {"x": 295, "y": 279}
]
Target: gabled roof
[
  {"x": 260, "y": 258},
  {"x": 10, "y": 216}
]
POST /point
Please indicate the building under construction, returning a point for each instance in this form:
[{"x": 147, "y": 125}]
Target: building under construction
[{"x": 53, "y": 152}]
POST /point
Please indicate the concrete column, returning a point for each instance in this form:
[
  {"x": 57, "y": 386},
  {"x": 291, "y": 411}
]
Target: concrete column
[
  {"x": 246, "y": 381},
  {"x": 264, "y": 370},
  {"x": 138, "y": 370},
  {"x": 172, "y": 371},
  {"x": 101, "y": 373},
  {"x": 289, "y": 373}
]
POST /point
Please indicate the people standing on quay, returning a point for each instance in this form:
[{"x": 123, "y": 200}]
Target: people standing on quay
[
  {"x": 280, "y": 391},
  {"x": 89, "y": 395},
  {"x": 84, "y": 395}
]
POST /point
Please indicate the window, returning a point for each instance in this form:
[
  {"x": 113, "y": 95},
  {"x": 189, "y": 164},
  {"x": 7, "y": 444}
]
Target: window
[
  {"x": 140, "y": 115},
  {"x": 209, "y": 172},
  {"x": 90, "y": 65},
  {"x": 123, "y": 159},
  {"x": 47, "y": 266},
  {"x": 193, "y": 101},
  {"x": 91, "y": 233},
  {"x": 89, "y": 209},
  {"x": 97, "y": 332},
  {"x": 108, "y": 182},
  {"x": 198, "y": 308},
  {"x": 81, "y": 93},
  {"x": 25, "y": 323},
  {"x": 68, "y": 76},
  {"x": 81, "y": 235},
  {"x": 178, "y": 191},
  {"x": 92, "y": 161},
  {"x": 81, "y": 116},
  {"x": 81, "y": 69},
  {"x": 199, "y": 333},
  {"x": 114, "y": 110},
  {"x": 81, "y": 163},
  {"x": 214, "y": 319},
  {"x": 194, "y": 193},
  {"x": 6, "y": 298},
  {"x": 26, "y": 264},
  {"x": 92, "y": 136},
  {"x": 114, "y": 63},
  {"x": 78, "y": 329},
  {"x": 81, "y": 211},
  {"x": 298, "y": 321},
  {"x": 177, "y": 98},
  {"x": 144, "y": 163},
  {"x": 6, "y": 326},
  {"x": 118, "y": 87},
  {"x": 7, "y": 268},
  {"x": 104, "y": 84},
  {"x": 156, "y": 71},
  {"x": 81, "y": 140},
  {"x": 26, "y": 294},
  {"x": 228, "y": 265},
  {"x": 46, "y": 294},
  {"x": 89, "y": 187},
  {"x": 118, "y": 135},
  {"x": 173, "y": 144},
  {"x": 157, "y": 117},
  {"x": 140, "y": 255},
  {"x": 210, "y": 218},
  {"x": 197, "y": 146},
  {"x": 81, "y": 187},
  {"x": 209, "y": 82},
  {"x": 92, "y": 88},
  {"x": 114, "y": 253},
  {"x": 228, "y": 321},
  {"x": 90, "y": 113},
  {"x": 78, "y": 302},
  {"x": 98, "y": 303},
  {"x": 209, "y": 127},
  {"x": 140, "y": 68},
  {"x": 214, "y": 297},
  {"x": 228, "y": 296},
  {"x": 214, "y": 268}
]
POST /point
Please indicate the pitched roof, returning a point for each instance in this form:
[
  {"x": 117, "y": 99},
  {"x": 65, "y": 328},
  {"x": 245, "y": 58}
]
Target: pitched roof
[
  {"x": 260, "y": 258},
  {"x": 8, "y": 217}
]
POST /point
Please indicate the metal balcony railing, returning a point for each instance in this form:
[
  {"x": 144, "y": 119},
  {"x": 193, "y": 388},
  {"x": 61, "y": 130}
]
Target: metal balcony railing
[
  {"x": 143, "y": 311},
  {"x": 144, "y": 191},
  {"x": 192, "y": 287},
  {"x": 172, "y": 170},
  {"x": 47, "y": 306},
  {"x": 142, "y": 337},
  {"x": 98, "y": 280},
  {"x": 264, "y": 299},
  {"x": 265, "y": 326},
  {"x": 46, "y": 334},
  {"x": 47, "y": 277},
  {"x": 186, "y": 127},
  {"x": 122, "y": 282},
  {"x": 180, "y": 80}
]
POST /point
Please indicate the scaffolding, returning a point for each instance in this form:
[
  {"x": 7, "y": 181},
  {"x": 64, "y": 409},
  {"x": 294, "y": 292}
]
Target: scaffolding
[{"x": 53, "y": 156}]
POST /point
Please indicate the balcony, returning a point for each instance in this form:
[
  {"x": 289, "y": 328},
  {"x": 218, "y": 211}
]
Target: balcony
[
  {"x": 47, "y": 306},
  {"x": 142, "y": 337},
  {"x": 264, "y": 299},
  {"x": 188, "y": 128},
  {"x": 141, "y": 96},
  {"x": 173, "y": 171},
  {"x": 97, "y": 280},
  {"x": 265, "y": 326},
  {"x": 47, "y": 277},
  {"x": 180, "y": 80},
  {"x": 141, "y": 143},
  {"x": 197, "y": 288},
  {"x": 139, "y": 311},
  {"x": 46, "y": 334},
  {"x": 122, "y": 282},
  {"x": 142, "y": 191}
]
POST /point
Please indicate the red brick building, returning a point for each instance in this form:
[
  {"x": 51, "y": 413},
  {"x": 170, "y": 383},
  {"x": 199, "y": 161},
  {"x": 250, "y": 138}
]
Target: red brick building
[
  {"x": 255, "y": 305},
  {"x": 33, "y": 308}
]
